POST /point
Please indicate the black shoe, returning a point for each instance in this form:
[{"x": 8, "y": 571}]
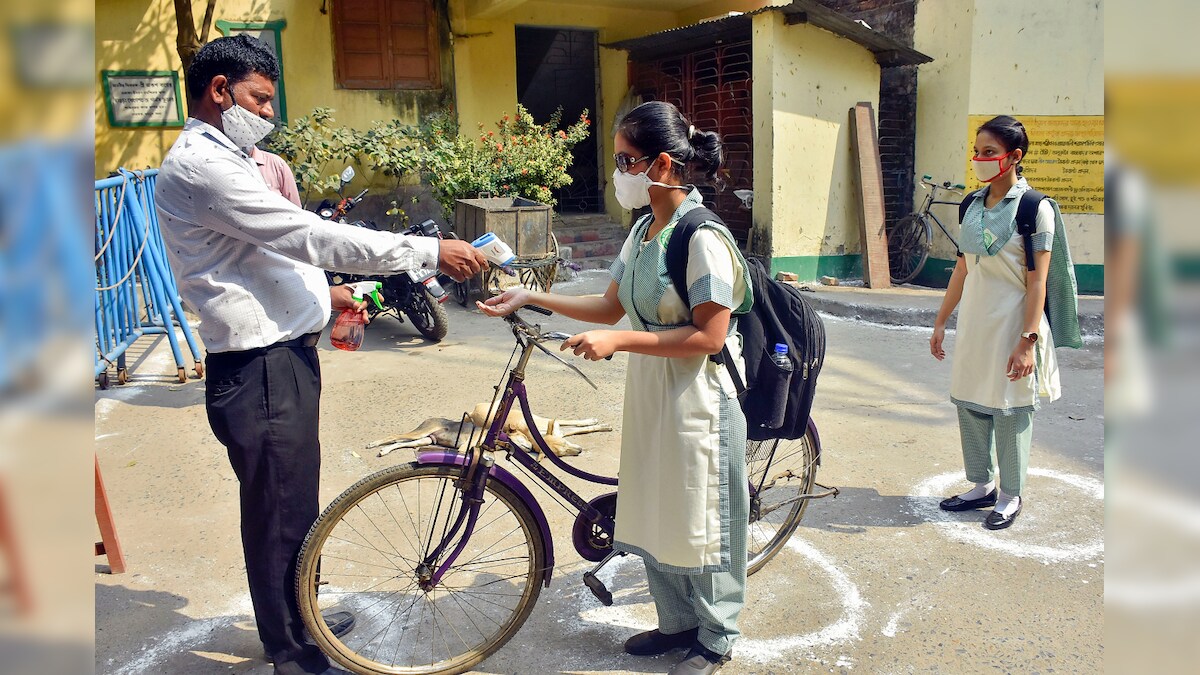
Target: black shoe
[
  {"x": 700, "y": 660},
  {"x": 339, "y": 624},
  {"x": 998, "y": 521},
  {"x": 959, "y": 504},
  {"x": 654, "y": 642}
]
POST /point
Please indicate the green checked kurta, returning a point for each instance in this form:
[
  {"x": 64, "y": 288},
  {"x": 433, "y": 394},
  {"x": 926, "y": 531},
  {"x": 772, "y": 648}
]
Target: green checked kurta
[{"x": 682, "y": 500}]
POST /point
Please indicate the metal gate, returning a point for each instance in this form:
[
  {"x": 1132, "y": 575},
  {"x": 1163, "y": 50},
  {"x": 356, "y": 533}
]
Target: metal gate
[{"x": 712, "y": 87}]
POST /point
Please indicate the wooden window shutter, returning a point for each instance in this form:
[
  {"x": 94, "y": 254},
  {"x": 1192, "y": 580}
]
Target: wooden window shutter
[{"x": 386, "y": 44}]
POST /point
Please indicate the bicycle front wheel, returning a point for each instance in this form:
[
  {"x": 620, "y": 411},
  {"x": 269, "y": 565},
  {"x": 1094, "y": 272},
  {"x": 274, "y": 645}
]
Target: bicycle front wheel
[
  {"x": 365, "y": 554},
  {"x": 909, "y": 242},
  {"x": 780, "y": 471}
]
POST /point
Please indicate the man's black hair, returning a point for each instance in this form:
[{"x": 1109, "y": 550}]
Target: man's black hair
[{"x": 235, "y": 57}]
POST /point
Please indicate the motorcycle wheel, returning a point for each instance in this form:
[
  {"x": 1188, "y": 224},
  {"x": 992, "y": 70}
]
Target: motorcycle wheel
[{"x": 428, "y": 316}]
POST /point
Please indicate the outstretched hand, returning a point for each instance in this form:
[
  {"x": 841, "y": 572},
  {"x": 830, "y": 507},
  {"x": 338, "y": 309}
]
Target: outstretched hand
[
  {"x": 459, "y": 259},
  {"x": 506, "y": 303}
]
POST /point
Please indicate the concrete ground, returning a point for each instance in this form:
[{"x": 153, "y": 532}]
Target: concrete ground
[{"x": 877, "y": 580}]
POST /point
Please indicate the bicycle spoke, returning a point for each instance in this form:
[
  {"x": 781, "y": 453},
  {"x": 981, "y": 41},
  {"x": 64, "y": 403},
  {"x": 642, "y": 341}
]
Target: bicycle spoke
[{"x": 377, "y": 569}]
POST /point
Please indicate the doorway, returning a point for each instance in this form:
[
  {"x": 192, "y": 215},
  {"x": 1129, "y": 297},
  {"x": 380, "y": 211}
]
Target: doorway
[{"x": 559, "y": 67}]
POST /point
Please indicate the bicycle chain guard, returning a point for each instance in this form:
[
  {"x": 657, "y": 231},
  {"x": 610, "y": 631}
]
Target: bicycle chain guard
[{"x": 591, "y": 540}]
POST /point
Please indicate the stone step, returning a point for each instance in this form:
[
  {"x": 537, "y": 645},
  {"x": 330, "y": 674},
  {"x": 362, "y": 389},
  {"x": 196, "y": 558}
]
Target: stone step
[
  {"x": 599, "y": 263},
  {"x": 609, "y": 248},
  {"x": 579, "y": 234}
]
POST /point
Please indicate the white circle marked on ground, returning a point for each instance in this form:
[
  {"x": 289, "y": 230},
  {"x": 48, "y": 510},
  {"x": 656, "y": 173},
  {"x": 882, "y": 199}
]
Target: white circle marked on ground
[
  {"x": 842, "y": 630},
  {"x": 760, "y": 650},
  {"x": 1008, "y": 541}
]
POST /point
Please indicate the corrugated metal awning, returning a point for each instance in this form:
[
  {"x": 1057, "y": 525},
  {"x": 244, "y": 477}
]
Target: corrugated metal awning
[{"x": 737, "y": 27}]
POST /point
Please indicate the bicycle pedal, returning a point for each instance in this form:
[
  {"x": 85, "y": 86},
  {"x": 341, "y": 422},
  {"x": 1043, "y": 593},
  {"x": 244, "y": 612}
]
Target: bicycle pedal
[{"x": 597, "y": 588}]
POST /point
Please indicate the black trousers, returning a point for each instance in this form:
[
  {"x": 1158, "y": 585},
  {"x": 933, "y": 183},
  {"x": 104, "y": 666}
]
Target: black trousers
[{"x": 263, "y": 407}]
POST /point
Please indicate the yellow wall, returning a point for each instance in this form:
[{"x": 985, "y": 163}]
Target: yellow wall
[
  {"x": 1019, "y": 57},
  {"x": 486, "y": 65},
  {"x": 140, "y": 35},
  {"x": 806, "y": 81}
]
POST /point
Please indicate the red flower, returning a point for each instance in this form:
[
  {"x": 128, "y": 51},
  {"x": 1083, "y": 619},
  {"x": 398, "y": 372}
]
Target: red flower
[
  {"x": 524, "y": 171},
  {"x": 499, "y": 147},
  {"x": 562, "y": 134}
]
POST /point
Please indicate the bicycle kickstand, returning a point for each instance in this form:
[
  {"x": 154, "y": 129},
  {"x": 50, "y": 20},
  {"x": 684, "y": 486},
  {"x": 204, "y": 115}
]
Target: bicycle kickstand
[{"x": 594, "y": 584}]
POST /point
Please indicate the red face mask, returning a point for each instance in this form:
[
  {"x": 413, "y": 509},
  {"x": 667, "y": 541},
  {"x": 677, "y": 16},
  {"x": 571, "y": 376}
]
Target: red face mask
[{"x": 983, "y": 169}]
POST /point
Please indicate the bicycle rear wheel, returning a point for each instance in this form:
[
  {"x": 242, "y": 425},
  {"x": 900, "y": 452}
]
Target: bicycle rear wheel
[
  {"x": 364, "y": 554},
  {"x": 909, "y": 242},
  {"x": 779, "y": 471}
]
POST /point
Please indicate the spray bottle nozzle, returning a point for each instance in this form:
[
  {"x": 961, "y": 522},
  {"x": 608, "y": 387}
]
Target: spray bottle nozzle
[{"x": 368, "y": 289}]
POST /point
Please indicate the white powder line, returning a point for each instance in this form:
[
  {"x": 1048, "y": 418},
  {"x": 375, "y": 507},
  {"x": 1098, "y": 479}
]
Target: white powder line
[
  {"x": 181, "y": 639},
  {"x": 889, "y": 630},
  {"x": 973, "y": 533},
  {"x": 844, "y": 629},
  {"x": 620, "y": 619}
]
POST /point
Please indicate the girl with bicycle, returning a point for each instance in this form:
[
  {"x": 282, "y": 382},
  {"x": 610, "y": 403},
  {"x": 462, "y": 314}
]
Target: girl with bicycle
[
  {"x": 682, "y": 500},
  {"x": 1004, "y": 357}
]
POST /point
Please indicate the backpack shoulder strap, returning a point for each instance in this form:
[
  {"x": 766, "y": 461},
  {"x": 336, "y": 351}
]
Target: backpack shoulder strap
[
  {"x": 677, "y": 247},
  {"x": 962, "y": 214},
  {"x": 1027, "y": 221},
  {"x": 677, "y": 259},
  {"x": 964, "y": 205}
]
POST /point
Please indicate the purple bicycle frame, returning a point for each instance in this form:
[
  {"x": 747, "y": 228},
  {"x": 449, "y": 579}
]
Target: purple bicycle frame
[
  {"x": 470, "y": 509},
  {"x": 474, "y": 497}
]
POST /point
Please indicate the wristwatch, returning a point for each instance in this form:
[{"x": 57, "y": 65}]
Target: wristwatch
[{"x": 1032, "y": 337}]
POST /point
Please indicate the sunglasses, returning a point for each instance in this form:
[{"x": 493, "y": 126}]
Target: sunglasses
[{"x": 626, "y": 161}]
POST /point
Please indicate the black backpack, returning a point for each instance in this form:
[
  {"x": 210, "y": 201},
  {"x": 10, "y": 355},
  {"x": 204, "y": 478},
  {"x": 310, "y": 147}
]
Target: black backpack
[{"x": 776, "y": 403}]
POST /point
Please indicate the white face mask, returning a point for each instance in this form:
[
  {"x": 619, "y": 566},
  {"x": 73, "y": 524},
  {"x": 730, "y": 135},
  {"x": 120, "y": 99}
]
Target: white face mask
[
  {"x": 988, "y": 170},
  {"x": 243, "y": 127},
  {"x": 633, "y": 189}
]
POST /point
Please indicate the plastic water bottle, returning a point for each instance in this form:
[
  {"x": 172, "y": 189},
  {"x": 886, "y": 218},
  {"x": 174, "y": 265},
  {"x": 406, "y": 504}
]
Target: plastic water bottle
[
  {"x": 777, "y": 381},
  {"x": 780, "y": 357}
]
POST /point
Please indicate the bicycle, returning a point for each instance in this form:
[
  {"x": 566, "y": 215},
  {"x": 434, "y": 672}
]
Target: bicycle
[
  {"x": 443, "y": 559},
  {"x": 911, "y": 239}
]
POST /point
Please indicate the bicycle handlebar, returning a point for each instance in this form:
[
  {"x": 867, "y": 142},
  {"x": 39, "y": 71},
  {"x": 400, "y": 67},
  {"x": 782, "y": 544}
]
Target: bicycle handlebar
[{"x": 927, "y": 181}]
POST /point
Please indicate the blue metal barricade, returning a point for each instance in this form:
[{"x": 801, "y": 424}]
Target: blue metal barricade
[{"x": 136, "y": 293}]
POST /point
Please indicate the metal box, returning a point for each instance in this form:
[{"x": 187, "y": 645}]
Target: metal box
[{"x": 521, "y": 223}]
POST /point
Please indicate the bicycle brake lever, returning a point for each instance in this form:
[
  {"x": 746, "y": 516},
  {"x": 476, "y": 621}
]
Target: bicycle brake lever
[{"x": 556, "y": 357}]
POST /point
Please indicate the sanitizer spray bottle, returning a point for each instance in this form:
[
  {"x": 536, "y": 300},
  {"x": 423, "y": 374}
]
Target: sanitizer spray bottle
[{"x": 348, "y": 330}]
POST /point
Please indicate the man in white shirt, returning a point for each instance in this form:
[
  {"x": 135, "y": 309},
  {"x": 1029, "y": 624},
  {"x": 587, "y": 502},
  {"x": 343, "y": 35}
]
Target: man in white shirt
[{"x": 250, "y": 263}]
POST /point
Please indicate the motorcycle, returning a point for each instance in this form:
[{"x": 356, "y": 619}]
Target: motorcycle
[{"x": 415, "y": 293}]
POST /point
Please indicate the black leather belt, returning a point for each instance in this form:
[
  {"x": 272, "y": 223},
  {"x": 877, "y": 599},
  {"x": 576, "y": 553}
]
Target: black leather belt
[{"x": 309, "y": 340}]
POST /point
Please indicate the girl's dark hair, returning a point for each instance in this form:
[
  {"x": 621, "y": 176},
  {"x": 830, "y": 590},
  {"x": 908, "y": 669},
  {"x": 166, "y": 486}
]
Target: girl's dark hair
[
  {"x": 235, "y": 57},
  {"x": 658, "y": 126},
  {"x": 1011, "y": 134}
]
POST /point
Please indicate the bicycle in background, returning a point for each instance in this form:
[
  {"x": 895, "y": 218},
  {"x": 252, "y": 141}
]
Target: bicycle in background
[{"x": 911, "y": 239}]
